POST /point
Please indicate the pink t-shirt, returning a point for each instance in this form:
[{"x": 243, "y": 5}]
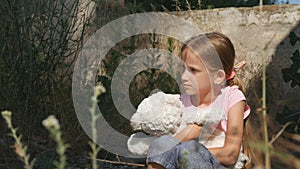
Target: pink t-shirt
[{"x": 230, "y": 96}]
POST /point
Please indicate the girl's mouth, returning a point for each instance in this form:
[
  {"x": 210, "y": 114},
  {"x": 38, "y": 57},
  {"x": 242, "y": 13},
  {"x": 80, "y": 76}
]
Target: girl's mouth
[{"x": 186, "y": 85}]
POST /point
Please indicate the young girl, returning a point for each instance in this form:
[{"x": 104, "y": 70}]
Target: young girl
[{"x": 209, "y": 81}]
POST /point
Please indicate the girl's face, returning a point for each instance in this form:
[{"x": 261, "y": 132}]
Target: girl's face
[{"x": 195, "y": 77}]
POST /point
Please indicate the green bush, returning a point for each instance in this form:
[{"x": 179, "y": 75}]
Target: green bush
[{"x": 38, "y": 47}]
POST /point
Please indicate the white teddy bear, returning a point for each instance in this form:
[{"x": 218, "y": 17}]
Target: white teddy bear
[
  {"x": 164, "y": 114},
  {"x": 159, "y": 114}
]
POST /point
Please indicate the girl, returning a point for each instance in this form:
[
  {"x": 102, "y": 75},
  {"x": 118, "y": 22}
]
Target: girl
[{"x": 209, "y": 82}]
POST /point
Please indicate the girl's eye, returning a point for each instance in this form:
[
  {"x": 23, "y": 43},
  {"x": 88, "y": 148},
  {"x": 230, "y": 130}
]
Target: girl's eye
[{"x": 193, "y": 70}]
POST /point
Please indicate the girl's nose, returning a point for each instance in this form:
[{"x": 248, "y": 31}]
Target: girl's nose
[{"x": 184, "y": 76}]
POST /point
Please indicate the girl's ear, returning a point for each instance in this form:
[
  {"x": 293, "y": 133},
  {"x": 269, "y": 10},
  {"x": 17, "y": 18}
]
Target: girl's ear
[{"x": 219, "y": 77}]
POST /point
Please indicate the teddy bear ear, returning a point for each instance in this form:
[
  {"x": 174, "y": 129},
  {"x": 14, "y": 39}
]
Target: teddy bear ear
[
  {"x": 219, "y": 77},
  {"x": 135, "y": 122}
]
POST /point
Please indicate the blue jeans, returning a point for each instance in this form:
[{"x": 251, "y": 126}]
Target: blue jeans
[{"x": 168, "y": 152}]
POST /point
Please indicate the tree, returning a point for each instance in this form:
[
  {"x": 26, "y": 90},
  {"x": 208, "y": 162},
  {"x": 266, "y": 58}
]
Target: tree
[{"x": 38, "y": 41}]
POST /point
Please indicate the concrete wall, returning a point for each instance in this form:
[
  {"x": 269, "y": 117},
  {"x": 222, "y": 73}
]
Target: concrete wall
[{"x": 253, "y": 34}]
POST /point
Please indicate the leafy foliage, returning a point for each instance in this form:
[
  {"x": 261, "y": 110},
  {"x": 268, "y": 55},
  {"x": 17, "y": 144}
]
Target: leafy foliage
[
  {"x": 288, "y": 115},
  {"x": 292, "y": 74},
  {"x": 38, "y": 45}
]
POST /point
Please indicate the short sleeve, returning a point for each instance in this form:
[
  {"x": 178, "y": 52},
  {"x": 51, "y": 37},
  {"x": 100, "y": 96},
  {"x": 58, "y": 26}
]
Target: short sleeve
[{"x": 233, "y": 96}]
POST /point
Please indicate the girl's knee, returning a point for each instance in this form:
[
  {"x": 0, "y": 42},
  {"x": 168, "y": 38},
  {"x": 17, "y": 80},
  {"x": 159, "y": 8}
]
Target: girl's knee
[{"x": 191, "y": 143}]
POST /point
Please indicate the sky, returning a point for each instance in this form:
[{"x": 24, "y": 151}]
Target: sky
[{"x": 294, "y": 1}]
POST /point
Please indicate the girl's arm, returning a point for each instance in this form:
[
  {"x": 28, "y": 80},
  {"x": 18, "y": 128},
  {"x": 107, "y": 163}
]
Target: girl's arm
[
  {"x": 229, "y": 153},
  {"x": 190, "y": 132}
]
